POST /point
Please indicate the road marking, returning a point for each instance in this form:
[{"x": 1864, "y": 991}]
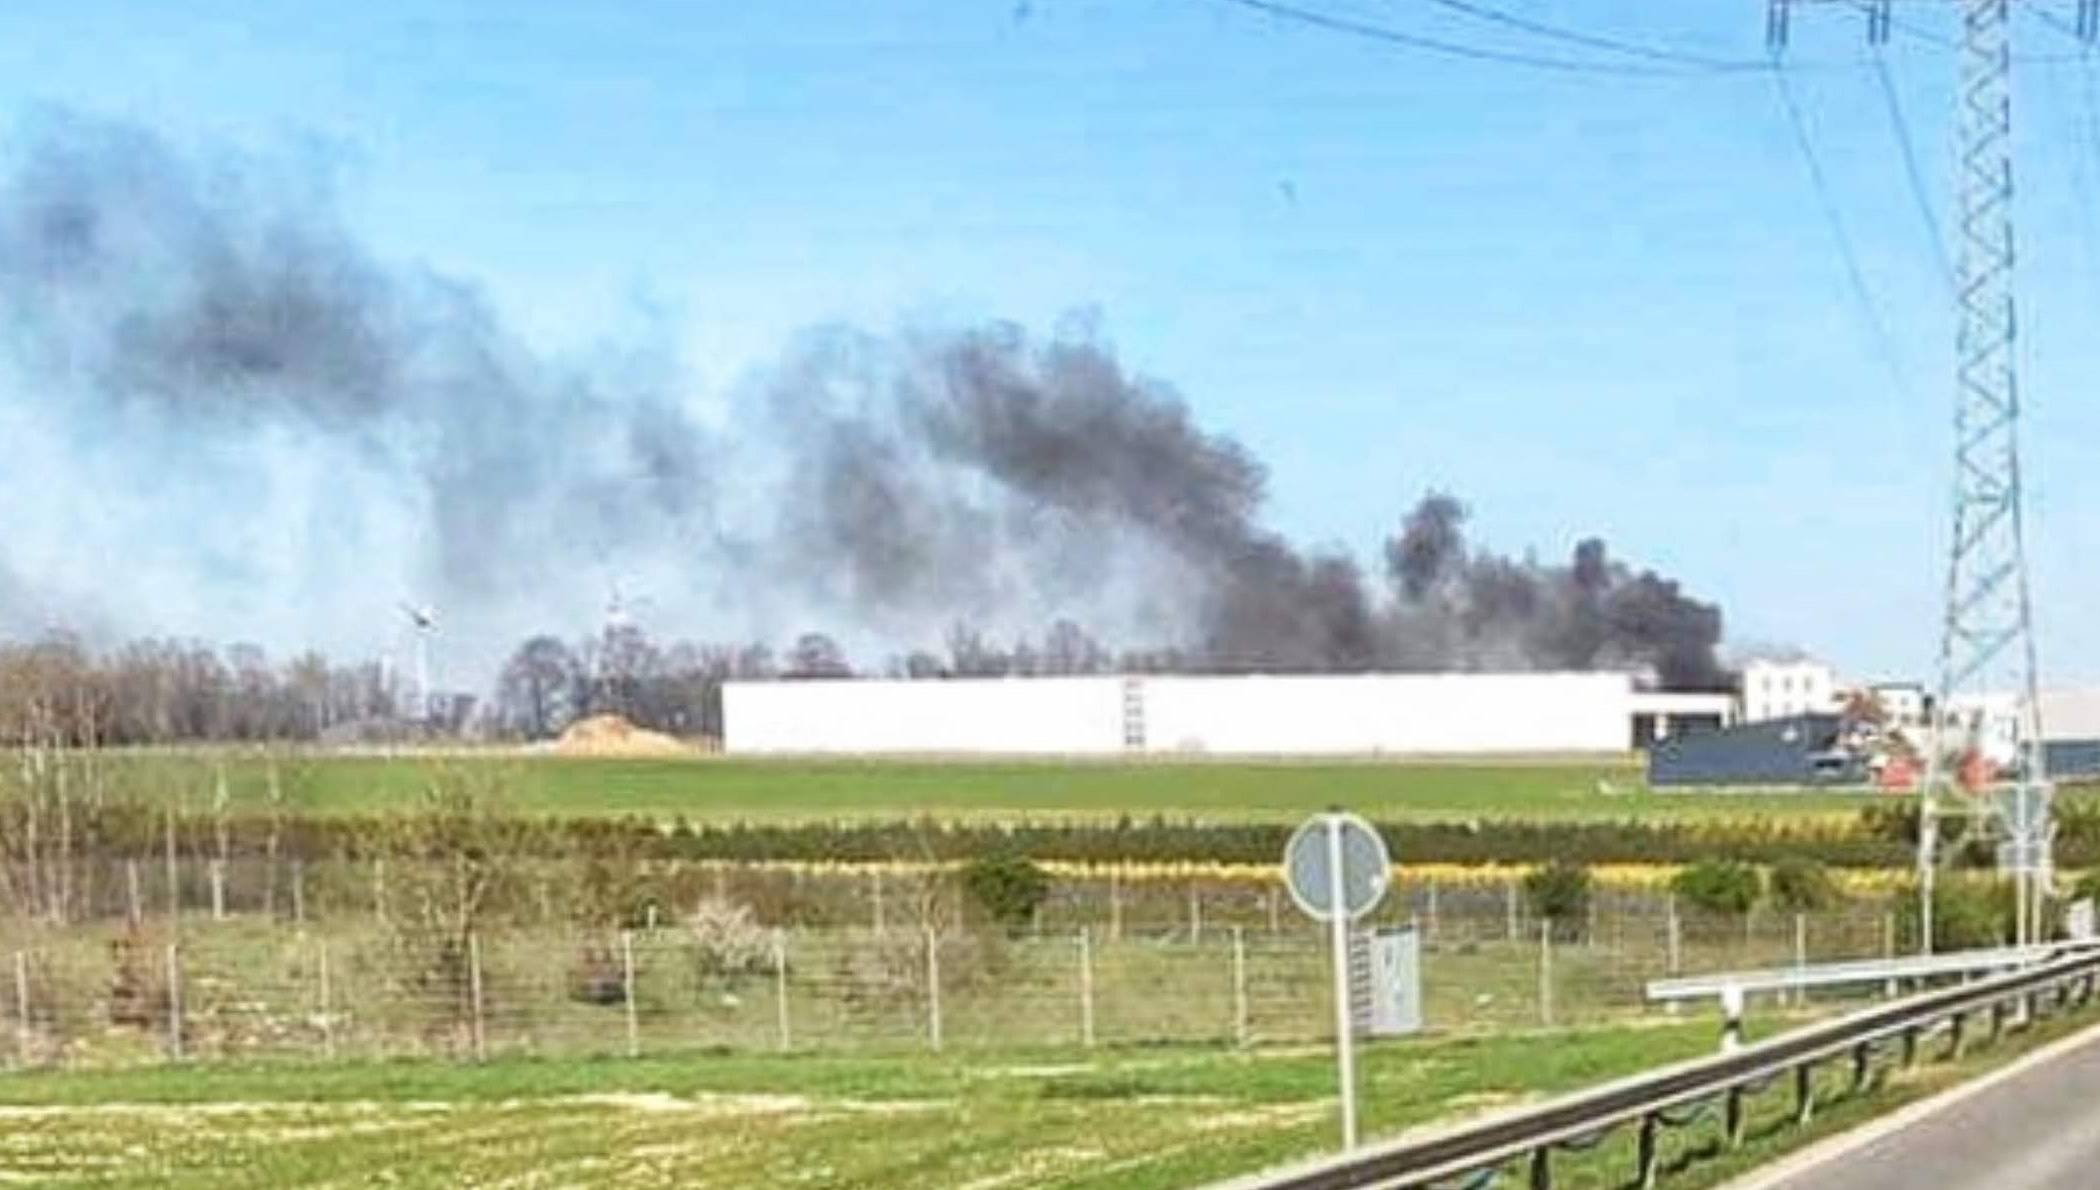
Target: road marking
[{"x": 1846, "y": 1143}]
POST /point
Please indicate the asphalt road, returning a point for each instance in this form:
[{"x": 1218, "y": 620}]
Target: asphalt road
[{"x": 2038, "y": 1129}]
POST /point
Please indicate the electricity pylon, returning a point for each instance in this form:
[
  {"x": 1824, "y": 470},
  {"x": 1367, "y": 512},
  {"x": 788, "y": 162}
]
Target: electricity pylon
[{"x": 1984, "y": 756}]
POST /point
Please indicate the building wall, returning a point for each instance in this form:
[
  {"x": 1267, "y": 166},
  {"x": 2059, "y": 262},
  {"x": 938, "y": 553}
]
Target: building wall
[
  {"x": 2071, "y": 713},
  {"x": 1777, "y": 752},
  {"x": 1388, "y": 713},
  {"x": 1366, "y": 714},
  {"x": 1784, "y": 689},
  {"x": 1019, "y": 715},
  {"x": 1904, "y": 702}
]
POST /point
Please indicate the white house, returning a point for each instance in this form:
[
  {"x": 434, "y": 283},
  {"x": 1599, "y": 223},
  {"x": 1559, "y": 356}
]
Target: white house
[
  {"x": 1781, "y": 689},
  {"x": 1903, "y": 702}
]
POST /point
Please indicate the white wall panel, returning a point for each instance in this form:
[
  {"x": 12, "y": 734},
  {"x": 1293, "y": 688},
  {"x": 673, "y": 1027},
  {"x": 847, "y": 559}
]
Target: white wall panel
[
  {"x": 1394, "y": 714},
  {"x": 1389, "y": 713},
  {"x": 1013, "y": 715}
]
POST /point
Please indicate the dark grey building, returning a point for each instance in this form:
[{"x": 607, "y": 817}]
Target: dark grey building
[{"x": 1799, "y": 750}]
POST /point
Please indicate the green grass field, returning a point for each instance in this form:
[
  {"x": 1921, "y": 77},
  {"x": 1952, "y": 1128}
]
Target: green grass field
[
  {"x": 1137, "y": 1118},
  {"x": 1158, "y": 1117},
  {"x": 718, "y": 789}
]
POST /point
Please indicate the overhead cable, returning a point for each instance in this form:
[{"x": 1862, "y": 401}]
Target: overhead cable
[
  {"x": 1919, "y": 195},
  {"x": 1862, "y": 297},
  {"x": 1595, "y": 41},
  {"x": 1283, "y": 10}
]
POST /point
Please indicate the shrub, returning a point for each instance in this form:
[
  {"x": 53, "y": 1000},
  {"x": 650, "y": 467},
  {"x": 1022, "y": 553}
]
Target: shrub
[
  {"x": 1560, "y": 892},
  {"x": 889, "y": 972},
  {"x": 1007, "y": 886},
  {"x": 1966, "y": 914},
  {"x": 2088, "y": 887},
  {"x": 1723, "y": 886},
  {"x": 1801, "y": 885},
  {"x": 727, "y": 941}
]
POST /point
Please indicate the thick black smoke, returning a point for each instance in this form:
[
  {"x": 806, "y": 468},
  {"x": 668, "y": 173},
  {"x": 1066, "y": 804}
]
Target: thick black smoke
[
  {"x": 229, "y": 398},
  {"x": 1455, "y": 609}
]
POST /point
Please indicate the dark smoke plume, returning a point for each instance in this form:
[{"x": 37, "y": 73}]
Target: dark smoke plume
[
  {"x": 271, "y": 433},
  {"x": 1455, "y": 610}
]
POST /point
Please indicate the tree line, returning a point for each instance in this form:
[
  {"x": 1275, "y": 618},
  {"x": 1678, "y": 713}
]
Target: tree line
[{"x": 58, "y": 691}]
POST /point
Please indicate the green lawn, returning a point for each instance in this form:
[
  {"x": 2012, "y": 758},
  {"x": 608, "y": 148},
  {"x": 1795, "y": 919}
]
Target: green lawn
[
  {"x": 1165, "y": 1116},
  {"x": 782, "y": 790},
  {"x": 1134, "y": 1118}
]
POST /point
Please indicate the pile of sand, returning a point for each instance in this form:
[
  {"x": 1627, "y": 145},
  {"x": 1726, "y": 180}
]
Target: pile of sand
[{"x": 613, "y": 735}]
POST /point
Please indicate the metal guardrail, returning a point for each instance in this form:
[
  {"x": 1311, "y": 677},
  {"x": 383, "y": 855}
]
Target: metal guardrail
[
  {"x": 1678, "y": 1095},
  {"x": 1960, "y": 962}
]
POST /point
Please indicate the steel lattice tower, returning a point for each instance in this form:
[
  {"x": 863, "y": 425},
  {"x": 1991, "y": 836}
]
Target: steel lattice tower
[{"x": 1987, "y": 702}]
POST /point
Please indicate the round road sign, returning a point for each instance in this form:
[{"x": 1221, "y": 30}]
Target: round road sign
[{"x": 1308, "y": 865}]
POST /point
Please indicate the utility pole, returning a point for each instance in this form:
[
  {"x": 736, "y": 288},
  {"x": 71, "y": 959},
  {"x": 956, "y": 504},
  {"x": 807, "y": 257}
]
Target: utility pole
[{"x": 1984, "y": 756}]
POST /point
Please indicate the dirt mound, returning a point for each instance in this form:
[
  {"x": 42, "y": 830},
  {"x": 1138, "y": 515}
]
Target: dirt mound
[{"x": 613, "y": 735}]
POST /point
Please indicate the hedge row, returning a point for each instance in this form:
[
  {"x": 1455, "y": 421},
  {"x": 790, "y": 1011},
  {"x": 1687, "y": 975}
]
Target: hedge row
[
  {"x": 1878, "y": 837},
  {"x": 1154, "y": 840}
]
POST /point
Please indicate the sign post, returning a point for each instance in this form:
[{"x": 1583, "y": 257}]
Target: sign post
[{"x": 1337, "y": 869}]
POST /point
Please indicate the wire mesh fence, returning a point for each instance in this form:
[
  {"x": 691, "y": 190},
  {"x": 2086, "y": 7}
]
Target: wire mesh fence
[{"x": 243, "y": 983}]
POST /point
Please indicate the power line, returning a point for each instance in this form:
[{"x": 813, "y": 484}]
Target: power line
[
  {"x": 2067, "y": 28},
  {"x": 1918, "y": 194},
  {"x": 1593, "y": 40},
  {"x": 1391, "y": 36},
  {"x": 1861, "y": 295}
]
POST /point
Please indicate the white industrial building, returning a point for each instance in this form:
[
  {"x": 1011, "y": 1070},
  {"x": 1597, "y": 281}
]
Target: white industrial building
[{"x": 1358, "y": 714}]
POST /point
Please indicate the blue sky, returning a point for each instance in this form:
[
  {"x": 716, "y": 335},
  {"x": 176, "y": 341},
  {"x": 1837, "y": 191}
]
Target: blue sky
[{"x": 1587, "y": 304}]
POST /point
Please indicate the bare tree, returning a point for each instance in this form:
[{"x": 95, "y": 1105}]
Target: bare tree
[{"x": 536, "y": 688}]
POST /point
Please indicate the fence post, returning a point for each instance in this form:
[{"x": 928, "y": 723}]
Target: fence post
[
  {"x": 1239, "y": 986},
  {"x": 1195, "y": 915},
  {"x": 379, "y": 888},
  {"x": 481, "y": 1045},
  {"x": 1800, "y": 955},
  {"x": 1674, "y": 937},
  {"x": 327, "y": 1006},
  {"x": 1086, "y": 987},
  {"x": 1434, "y": 923},
  {"x": 22, "y": 1026},
  {"x": 135, "y": 912},
  {"x": 1275, "y": 905},
  {"x": 875, "y": 891},
  {"x": 174, "y": 875},
  {"x": 1546, "y": 972},
  {"x": 933, "y": 989},
  {"x": 216, "y": 868},
  {"x": 634, "y": 1024},
  {"x": 1888, "y": 948},
  {"x": 299, "y": 890},
  {"x": 780, "y": 986},
  {"x": 175, "y": 1001},
  {"x": 1115, "y": 905},
  {"x": 1509, "y": 907}
]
